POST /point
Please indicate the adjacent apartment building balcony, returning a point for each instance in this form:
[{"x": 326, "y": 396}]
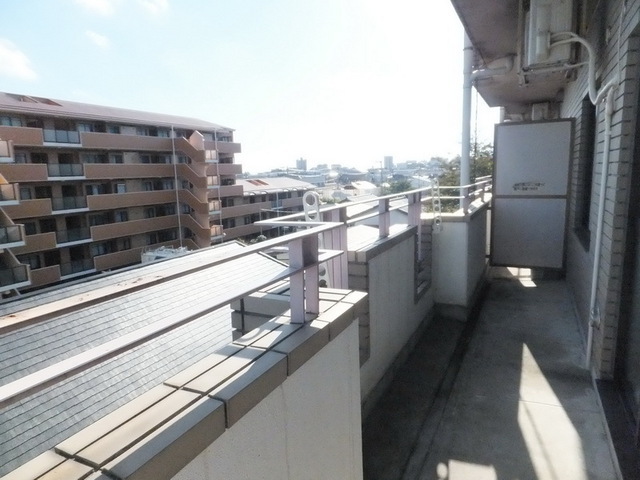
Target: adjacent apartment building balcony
[{"x": 71, "y": 165}]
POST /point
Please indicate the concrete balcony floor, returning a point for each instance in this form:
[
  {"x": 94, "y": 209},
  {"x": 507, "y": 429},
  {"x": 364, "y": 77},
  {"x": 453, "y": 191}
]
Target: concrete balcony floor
[{"x": 503, "y": 396}]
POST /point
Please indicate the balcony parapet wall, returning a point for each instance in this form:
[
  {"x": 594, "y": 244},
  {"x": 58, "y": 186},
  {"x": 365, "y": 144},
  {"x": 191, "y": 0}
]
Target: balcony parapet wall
[{"x": 267, "y": 390}]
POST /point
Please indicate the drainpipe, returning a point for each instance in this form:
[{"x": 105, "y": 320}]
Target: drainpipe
[
  {"x": 465, "y": 163},
  {"x": 470, "y": 76},
  {"x": 594, "y": 311},
  {"x": 605, "y": 93}
]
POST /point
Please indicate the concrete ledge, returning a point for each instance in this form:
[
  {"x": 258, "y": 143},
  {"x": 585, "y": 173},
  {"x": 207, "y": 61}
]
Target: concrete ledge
[
  {"x": 124, "y": 437},
  {"x": 185, "y": 376},
  {"x": 246, "y": 389},
  {"x": 223, "y": 371},
  {"x": 107, "y": 424},
  {"x": 381, "y": 245},
  {"x": 163, "y": 453},
  {"x": 37, "y": 467},
  {"x": 303, "y": 344},
  {"x": 68, "y": 470}
]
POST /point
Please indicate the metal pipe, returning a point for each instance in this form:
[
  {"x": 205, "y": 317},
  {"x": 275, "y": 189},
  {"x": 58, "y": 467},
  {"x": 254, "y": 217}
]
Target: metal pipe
[
  {"x": 594, "y": 313},
  {"x": 465, "y": 161}
]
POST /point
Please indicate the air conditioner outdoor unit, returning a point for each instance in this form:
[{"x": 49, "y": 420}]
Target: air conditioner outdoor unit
[{"x": 544, "y": 18}]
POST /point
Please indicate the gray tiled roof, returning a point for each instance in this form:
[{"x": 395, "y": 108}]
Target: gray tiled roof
[{"x": 36, "y": 423}]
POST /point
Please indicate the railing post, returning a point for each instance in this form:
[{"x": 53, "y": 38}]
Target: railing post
[
  {"x": 415, "y": 210},
  {"x": 466, "y": 200},
  {"x": 384, "y": 218},
  {"x": 336, "y": 239},
  {"x": 303, "y": 252}
]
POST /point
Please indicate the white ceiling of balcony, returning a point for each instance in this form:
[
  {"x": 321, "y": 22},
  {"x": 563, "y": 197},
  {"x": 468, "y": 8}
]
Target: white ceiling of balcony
[{"x": 492, "y": 26}]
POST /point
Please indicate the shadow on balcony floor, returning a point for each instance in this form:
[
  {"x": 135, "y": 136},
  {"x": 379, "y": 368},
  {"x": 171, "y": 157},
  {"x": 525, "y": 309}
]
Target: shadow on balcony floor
[{"x": 504, "y": 396}]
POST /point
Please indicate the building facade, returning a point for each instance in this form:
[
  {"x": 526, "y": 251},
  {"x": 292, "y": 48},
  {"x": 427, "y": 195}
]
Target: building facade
[
  {"x": 96, "y": 186},
  {"x": 261, "y": 199},
  {"x": 555, "y": 60}
]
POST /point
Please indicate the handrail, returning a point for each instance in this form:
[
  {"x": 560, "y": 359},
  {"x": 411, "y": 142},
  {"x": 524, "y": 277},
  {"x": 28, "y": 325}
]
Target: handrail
[{"x": 304, "y": 260}]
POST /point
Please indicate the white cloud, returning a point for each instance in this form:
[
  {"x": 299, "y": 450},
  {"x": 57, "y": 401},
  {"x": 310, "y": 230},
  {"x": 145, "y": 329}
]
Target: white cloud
[
  {"x": 14, "y": 63},
  {"x": 155, "y": 7},
  {"x": 101, "y": 7},
  {"x": 100, "y": 40}
]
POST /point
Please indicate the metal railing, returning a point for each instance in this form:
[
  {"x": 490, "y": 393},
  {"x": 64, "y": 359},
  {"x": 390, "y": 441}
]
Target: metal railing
[
  {"x": 68, "y": 203},
  {"x": 305, "y": 256},
  {"x": 73, "y": 235},
  {"x": 61, "y": 136},
  {"x": 65, "y": 170},
  {"x": 13, "y": 275},
  {"x": 76, "y": 266},
  {"x": 11, "y": 234}
]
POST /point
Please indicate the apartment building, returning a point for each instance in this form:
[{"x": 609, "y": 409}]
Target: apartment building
[
  {"x": 95, "y": 186},
  {"x": 262, "y": 199}
]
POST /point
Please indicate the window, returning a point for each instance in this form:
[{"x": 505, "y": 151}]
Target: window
[
  {"x": 147, "y": 186},
  {"x": 39, "y": 157},
  {"x": 96, "y": 189},
  {"x": 98, "y": 219},
  {"x": 25, "y": 193},
  {"x": 32, "y": 260},
  {"x": 121, "y": 216},
  {"x": 52, "y": 257},
  {"x": 121, "y": 188},
  {"x": 167, "y": 184},
  {"x": 34, "y": 123},
  {"x": 98, "y": 249},
  {"x": 149, "y": 212},
  {"x": 124, "y": 244},
  {"x": 116, "y": 158},
  {"x": 47, "y": 225},
  {"x": 20, "y": 157},
  {"x": 10, "y": 121},
  {"x": 30, "y": 228},
  {"x": 94, "y": 158},
  {"x": 152, "y": 238},
  {"x": 113, "y": 129},
  {"x": 588, "y": 129},
  {"x": 43, "y": 192}
]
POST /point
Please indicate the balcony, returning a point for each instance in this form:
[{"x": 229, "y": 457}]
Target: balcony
[
  {"x": 73, "y": 236},
  {"x": 59, "y": 204},
  {"x": 12, "y": 236},
  {"x": 307, "y": 366},
  {"x": 109, "y": 141},
  {"x": 61, "y": 136},
  {"x": 12, "y": 277},
  {"x": 77, "y": 268},
  {"x": 9, "y": 194},
  {"x": 56, "y": 170}
]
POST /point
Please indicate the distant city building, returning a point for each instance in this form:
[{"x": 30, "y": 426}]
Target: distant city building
[
  {"x": 301, "y": 164},
  {"x": 388, "y": 163},
  {"x": 96, "y": 186}
]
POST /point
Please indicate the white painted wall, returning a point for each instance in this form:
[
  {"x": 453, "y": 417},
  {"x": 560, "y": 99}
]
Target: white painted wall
[
  {"x": 394, "y": 316},
  {"x": 309, "y": 427},
  {"x": 459, "y": 259}
]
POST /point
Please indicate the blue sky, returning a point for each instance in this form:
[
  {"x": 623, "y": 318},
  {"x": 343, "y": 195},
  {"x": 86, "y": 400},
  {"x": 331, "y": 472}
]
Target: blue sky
[{"x": 332, "y": 81}]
